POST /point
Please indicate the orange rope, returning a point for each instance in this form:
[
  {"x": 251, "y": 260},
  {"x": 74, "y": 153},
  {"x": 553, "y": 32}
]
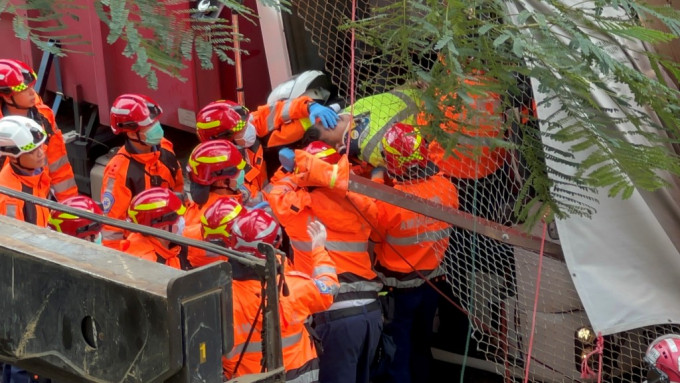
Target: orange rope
[{"x": 533, "y": 317}]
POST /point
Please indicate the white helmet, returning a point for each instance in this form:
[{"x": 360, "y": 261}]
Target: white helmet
[
  {"x": 312, "y": 83},
  {"x": 19, "y": 135}
]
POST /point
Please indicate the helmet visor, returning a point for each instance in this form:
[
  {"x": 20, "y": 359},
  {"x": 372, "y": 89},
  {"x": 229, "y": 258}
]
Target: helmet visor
[{"x": 37, "y": 138}]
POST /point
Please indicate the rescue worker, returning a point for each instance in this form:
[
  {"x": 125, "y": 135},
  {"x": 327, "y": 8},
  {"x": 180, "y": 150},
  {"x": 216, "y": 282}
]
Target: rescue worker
[
  {"x": 409, "y": 250},
  {"x": 227, "y": 210},
  {"x": 350, "y": 329},
  {"x": 216, "y": 170},
  {"x": 307, "y": 294},
  {"x": 18, "y": 98},
  {"x": 146, "y": 159},
  {"x": 229, "y": 121},
  {"x": 663, "y": 359},
  {"x": 22, "y": 140},
  {"x": 159, "y": 208},
  {"x": 77, "y": 226}
]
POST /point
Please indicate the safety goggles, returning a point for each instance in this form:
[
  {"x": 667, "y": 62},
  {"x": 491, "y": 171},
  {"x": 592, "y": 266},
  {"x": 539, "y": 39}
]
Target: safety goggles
[
  {"x": 38, "y": 137},
  {"x": 92, "y": 227}
]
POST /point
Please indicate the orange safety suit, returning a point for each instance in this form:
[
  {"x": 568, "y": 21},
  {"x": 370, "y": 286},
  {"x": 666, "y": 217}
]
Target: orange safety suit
[
  {"x": 37, "y": 185},
  {"x": 129, "y": 173},
  {"x": 199, "y": 257},
  {"x": 309, "y": 294},
  {"x": 256, "y": 169},
  {"x": 407, "y": 241},
  {"x": 151, "y": 249},
  {"x": 284, "y": 121},
  {"x": 471, "y": 158},
  {"x": 62, "y": 181},
  {"x": 347, "y": 218}
]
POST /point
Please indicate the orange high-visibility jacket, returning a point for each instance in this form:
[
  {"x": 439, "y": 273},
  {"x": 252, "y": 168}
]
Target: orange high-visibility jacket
[
  {"x": 128, "y": 174},
  {"x": 471, "y": 159},
  {"x": 405, "y": 237},
  {"x": 199, "y": 257},
  {"x": 256, "y": 169},
  {"x": 37, "y": 185},
  {"x": 346, "y": 217},
  {"x": 59, "y": 169},
  {"x": 308, "y": 295},
  {"x": 284, "y": 121},
  {"x": 151, "y": 249}
]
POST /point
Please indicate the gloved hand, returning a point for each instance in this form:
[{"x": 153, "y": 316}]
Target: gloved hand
[
  {"x": 317, "y": 231},
  {"x": 378, "y": 173},
  {"x": 261, "y": 205},
  {"x": 287, "y": 159},
  {"x": 327, "y": 116}
]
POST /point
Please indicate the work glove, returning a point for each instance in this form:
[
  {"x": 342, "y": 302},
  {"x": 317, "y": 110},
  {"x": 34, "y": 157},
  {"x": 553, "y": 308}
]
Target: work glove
[
  {"x": 287, "y": 159},
  {"x": 313, "y": 171},
  {"x": 327, "y": 116},
  {"x": 317, "y": 232}
]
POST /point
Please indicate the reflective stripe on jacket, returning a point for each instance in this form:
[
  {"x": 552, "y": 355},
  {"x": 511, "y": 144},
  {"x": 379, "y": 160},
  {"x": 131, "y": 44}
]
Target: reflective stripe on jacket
[
  {"x": 405, "y": 237},
  {"x": 37, "y": 185},
  {"x": 284, "y": 121},
  {"x": 307, "y": 295}
]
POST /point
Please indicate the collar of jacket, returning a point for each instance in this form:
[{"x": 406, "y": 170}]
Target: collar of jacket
[
  {"x": 142, "y": 158},
  {"x": 418, "y": 172},
  {"x": 31, "y": 180},
  {"x": 163, "y": 251}
]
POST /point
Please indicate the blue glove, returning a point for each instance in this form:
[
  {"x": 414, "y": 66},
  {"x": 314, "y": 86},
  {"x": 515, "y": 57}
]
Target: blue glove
[
  {"x": 327, "y": 116},
  {"x": 261, "y": 205},
  {"x": 287, "y": 159},
  {"x": 378, "y": 173}
]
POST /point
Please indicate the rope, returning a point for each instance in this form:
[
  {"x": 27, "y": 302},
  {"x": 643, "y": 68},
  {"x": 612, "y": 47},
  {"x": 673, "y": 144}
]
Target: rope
[
  {"x": 586, "y": 371},
  {"x": 533, "y": 315},
  {"x": 352, "y": 62}
]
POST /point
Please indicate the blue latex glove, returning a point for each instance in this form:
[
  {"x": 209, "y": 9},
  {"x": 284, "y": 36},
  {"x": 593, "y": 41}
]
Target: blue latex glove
[
  {"x": 261, "y": 205},
  {"x": 287, "y": 159},
  {"x": 327, "y": 116},
  {"x": 378, "y": 173}
]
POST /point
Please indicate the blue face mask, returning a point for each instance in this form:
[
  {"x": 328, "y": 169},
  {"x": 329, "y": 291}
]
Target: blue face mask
[
  {"x": 98, "y": 239},
  {"x": 236, "y": 183},
  {"x": 152, "y": 135}
]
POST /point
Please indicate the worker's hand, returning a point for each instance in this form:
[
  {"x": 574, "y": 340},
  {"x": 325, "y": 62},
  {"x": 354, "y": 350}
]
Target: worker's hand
[
  {"x": 287, "y": 159},
  {"x": 327, "y": 116},
  {"x": 317, "y": 231}
]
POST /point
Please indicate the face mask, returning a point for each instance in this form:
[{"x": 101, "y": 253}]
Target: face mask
[
  {"x": 98, "y": 239},
  {"x": 178, "y": 227},
  {"x": 152, "y": 135},
  {"x": 236, "y": 183},
  {"x": 247, "y": 137}
]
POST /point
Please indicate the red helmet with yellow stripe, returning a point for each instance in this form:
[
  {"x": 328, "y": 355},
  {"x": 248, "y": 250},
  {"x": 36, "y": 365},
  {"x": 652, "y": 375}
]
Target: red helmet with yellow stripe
[
  {"x": 322, "y": 150},
  {"x": 131, "y": 112},
  {"x": 218, "y": 219},
  {"x": 254, "y": 227},
  {"x": 220, "y": 120},
  {"x": 73, "y": 225},
  {"x": 212, "y": 161},
  {"x": 15, "y": 76},
  {"x": 403, "y": 148},
  {"x": 156, "y": 207}
]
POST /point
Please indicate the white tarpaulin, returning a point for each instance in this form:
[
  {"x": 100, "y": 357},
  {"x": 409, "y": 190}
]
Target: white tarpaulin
[{"x": 624, "y": 260}]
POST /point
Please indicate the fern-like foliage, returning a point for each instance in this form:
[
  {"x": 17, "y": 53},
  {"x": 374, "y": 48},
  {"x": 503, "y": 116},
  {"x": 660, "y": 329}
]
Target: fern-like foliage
[
  {"x": 161, "y": 35},
  {"x": 618, "y": 123}
]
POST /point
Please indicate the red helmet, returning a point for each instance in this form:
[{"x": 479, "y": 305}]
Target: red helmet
[
  {"x": 403, "y": 148},
  {"x": 218, "y": 219},
  {"x": 156, "y": 207},
  {"x": 220, "y": 119},
  {"x": 663, "y": 358},
  {"x": 15, "y": 76},
  {"x": 73, "y": 225},
  {"x": 253, "y": 227},
  {"x": 212, "y": 161},
  {"x": 130, "y": 112},
  {"x": 324, "y": 151}
]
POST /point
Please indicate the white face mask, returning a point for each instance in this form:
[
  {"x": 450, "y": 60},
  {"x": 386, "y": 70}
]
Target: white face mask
[
  {"x": 247, "y": 138},
  {"x": 178, "y": 227}
]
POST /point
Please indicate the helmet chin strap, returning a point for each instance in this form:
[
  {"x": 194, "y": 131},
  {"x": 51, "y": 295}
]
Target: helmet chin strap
[
  {"x": 138, "y": 139},
  {"x": 13, "y": 104},
  {"x": 18, "y": 164}
]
